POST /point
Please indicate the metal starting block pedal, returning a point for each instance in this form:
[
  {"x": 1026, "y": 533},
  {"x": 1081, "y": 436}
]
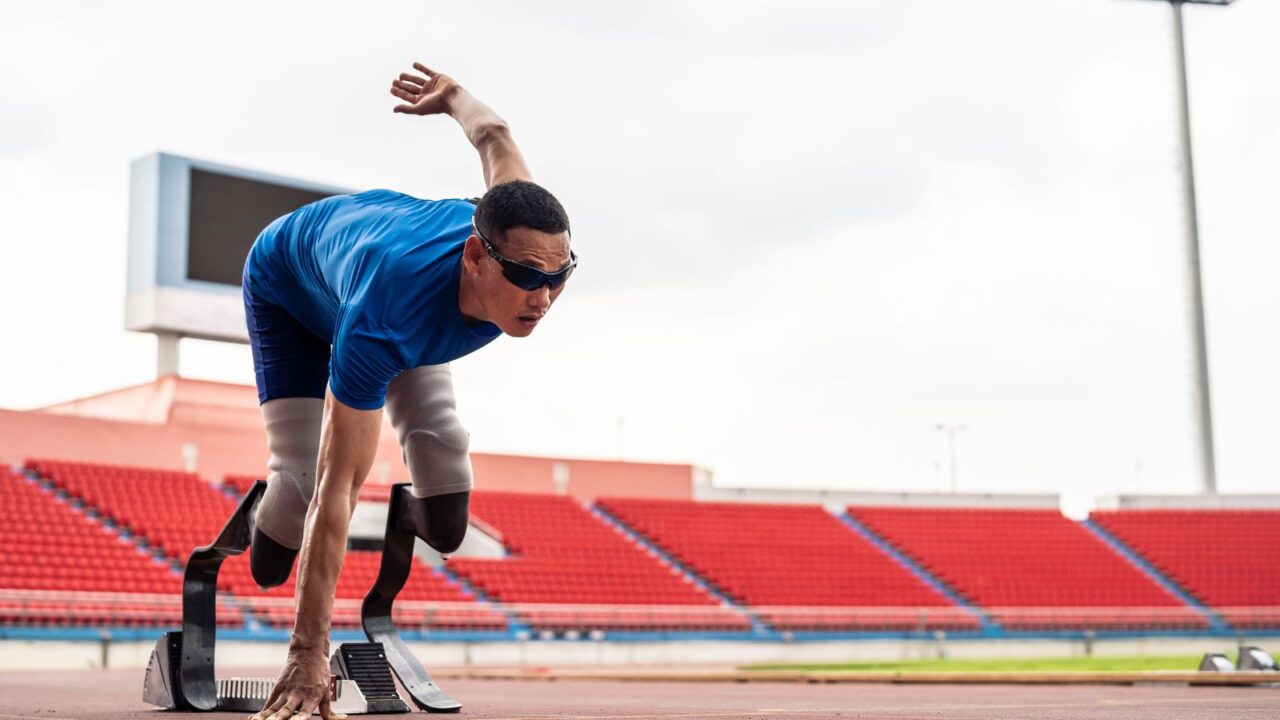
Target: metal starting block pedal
[
  {"x": 180, "y": 673},
  {"x": 361, "y": 683},
  {"x": 365, "y": 666}
]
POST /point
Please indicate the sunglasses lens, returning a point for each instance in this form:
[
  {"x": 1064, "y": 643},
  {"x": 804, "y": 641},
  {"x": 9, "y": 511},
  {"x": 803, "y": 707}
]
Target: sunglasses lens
[
  {"x": 523, "y": 277},
  {"x": 526, "y": 278},
  {"x": 559, "y": 278}
]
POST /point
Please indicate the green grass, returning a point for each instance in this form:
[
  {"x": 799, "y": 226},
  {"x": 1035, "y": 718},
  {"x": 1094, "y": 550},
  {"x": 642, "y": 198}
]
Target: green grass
[{"x": 1141, "y": 662}]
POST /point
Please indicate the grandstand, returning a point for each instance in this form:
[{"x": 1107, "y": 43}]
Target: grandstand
[
  {"x": 1225, "y": 559},
  {"x": 97, "y": 543},
  {"x": 561, "y": 554},
  {"x": 783, "y": 556},
  {"x": 1034, "y": 569}
]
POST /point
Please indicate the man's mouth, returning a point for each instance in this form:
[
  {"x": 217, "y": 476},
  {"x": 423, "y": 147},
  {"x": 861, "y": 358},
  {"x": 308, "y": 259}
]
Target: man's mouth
[{"x": 529, "y": 321}]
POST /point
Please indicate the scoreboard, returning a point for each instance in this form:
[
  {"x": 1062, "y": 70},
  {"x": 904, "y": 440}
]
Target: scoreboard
[{"x": 191, "y": 224}]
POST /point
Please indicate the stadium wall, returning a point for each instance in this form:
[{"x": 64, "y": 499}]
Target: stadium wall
[
  {"x": 1189, "y": 502},
  {"x": 841, "y": 499},
  {"x": 28, "y": 655},
  {"x": 215, "y": 429}
]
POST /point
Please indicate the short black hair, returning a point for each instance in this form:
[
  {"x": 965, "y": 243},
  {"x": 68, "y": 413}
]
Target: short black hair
[{"x": 519, "y": 203}]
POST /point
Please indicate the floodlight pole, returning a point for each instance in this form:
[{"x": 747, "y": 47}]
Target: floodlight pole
[
  {"x": 1195, "y": 296},
  {"x": 1203, "y": 409}
]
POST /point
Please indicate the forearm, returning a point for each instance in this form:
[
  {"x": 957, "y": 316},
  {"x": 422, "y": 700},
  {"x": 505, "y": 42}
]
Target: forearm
[
  {"x": 347, "y": 446},
  {"x": 500, "y": 157},
  {"x": 324, "y": 547}
]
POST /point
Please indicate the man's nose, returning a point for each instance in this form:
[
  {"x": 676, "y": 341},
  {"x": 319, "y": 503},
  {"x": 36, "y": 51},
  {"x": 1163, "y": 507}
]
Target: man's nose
[{"x": 540, "y": 298}]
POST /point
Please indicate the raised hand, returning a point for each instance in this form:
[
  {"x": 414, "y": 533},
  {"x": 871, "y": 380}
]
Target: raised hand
[
  {"x": 302, "y": 689},
  {"x": 427, "y": 94},
  {"x": 431, "y": 93}
]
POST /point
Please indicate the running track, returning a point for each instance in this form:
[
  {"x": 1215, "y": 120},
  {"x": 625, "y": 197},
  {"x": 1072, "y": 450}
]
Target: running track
[{"x": 115, "y": 695}]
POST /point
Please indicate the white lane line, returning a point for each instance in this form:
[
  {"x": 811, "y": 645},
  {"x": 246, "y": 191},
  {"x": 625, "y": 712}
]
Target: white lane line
[{"x": 50, "y": 716}]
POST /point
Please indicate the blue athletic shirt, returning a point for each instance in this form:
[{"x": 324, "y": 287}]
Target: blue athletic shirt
[{"x": 376, "y": 274}]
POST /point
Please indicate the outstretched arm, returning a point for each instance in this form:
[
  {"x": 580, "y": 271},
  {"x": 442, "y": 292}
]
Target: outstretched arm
[{"x": 433, "y": 93}]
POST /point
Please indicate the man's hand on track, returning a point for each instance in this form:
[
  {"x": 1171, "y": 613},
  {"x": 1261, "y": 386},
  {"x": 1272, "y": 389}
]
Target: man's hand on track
[{"x": 303, "y": 688}]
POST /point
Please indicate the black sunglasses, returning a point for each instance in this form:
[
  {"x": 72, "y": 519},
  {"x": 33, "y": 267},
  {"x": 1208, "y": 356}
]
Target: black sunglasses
[{"x": 524, "y": 276}]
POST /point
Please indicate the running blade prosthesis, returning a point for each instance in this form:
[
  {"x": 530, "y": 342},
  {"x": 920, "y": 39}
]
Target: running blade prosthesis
[{"x": 180, "y": 675}]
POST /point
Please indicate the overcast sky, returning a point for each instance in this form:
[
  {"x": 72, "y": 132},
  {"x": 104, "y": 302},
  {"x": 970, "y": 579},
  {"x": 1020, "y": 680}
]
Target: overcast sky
[{"x": 810, "y": 231}]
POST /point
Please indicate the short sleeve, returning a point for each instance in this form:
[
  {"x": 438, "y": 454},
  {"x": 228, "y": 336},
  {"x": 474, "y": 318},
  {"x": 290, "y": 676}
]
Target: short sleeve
[{"x": 366, "y": 357}]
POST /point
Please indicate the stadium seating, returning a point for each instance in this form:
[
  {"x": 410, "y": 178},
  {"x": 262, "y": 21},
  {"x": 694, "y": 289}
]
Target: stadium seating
[
  {"x": 791, "y": 555},
  {"x": 72, "y": 571},
  {"x": 450, "y": 606},
  {"x": 562, "y": 554},
  {"x": 796, "y": 568},
  {"x": 1030, "y": 568},
  {"x": 1227, "y": 559},
  {"x": 178, "y": 512},
  {"x": 418, "y": 605},
  {"x": 239, "y": 484},
  {"x": 174, "y": 511}
]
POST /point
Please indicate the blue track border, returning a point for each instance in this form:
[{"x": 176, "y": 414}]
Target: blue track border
[{"x": 1143, "y": 565}]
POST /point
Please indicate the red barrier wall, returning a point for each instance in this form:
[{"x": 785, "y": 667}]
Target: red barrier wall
[{"x": 148, "y": 425}]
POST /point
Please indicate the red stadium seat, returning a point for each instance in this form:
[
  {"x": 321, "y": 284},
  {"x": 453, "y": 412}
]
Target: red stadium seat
[
  {"x": 51, "y": 556},
  {"x": 1032, "y": 569},
  {"x": 1227, "y": 559},
  {"x": 562, "y": 554},
  {"x": 774, "y": 556},
  {"x": 177, "y": 512}
]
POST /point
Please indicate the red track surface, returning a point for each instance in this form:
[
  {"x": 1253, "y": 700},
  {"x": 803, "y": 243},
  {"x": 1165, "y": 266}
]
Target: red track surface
[{"x": 114, "y": 695}]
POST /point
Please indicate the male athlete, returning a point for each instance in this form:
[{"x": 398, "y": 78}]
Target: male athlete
[{"x": 360, "y": 301}]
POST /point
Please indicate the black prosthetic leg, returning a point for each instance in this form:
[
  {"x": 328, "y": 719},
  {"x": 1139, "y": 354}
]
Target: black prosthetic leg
[
  {"x": 405, "y": 521},
  {"x": 180, "y": 674}
]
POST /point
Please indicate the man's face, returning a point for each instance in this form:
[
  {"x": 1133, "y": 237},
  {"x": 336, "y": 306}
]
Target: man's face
[{"x": 514, "y": 310}]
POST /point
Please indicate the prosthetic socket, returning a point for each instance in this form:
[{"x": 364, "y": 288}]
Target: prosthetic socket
[{"x": 422, "y": 410}]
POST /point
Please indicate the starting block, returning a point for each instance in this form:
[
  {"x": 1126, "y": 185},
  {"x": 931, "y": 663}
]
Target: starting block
[{"x": 180, "y": 674}]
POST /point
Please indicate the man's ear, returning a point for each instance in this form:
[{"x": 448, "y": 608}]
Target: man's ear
[{"x": 472, "y": 253}]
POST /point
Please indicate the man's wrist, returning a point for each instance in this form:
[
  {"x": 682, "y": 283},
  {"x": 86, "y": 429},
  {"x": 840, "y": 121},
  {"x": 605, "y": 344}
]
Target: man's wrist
[
  {"x": 451, "y": 97},
  {"x": 305, "y": 644}
]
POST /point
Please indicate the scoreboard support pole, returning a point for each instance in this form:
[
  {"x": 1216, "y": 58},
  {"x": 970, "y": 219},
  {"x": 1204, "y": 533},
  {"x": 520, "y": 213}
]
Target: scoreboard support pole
[{"x": 167, "y": 353}]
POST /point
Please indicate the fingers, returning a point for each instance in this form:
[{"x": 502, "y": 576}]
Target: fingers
[
  {"x": 310, "y": 706},
  {"x": 404, "y": 92},
  {"x": 406, "y": 78},
  {"x": 297, "y": 707},
  {"x": 274, "y": 701},
  {"x": 287, "y": 710},
  {"x": 306, "y": 709},
  {"x": 326, "y": 711},
  {"x": 410, "y": 99},
  {"x": 410, "y": 88},
  {"x": 414, "y": 90}
]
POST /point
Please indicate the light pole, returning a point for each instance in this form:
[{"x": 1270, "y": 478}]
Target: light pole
[
  {"x": 951, "y": 431},
  {"x": 1200, "y": 390}
]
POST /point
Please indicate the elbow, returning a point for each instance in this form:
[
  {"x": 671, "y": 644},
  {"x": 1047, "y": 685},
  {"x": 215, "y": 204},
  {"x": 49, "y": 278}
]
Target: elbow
[{"x": 489, "y": 133}]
